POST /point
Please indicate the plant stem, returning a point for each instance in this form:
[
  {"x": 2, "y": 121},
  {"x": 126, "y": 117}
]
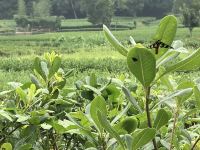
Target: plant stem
[
  {"x": 148, "y": 90},
  {"x": 55, "y": 147},
  {"x": 174, "y": 127},
  {"x": 195, "y": 143}
]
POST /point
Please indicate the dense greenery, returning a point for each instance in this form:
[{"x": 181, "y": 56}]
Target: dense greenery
[
  {"x": 100, "y": 113},
  {"x": 77, "y": 9}
]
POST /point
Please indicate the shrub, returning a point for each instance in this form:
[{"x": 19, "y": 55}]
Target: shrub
[{"x": 52, "y": 22}]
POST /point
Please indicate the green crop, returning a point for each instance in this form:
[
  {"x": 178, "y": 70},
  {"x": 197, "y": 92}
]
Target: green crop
[{"x": 148, "y": 111}]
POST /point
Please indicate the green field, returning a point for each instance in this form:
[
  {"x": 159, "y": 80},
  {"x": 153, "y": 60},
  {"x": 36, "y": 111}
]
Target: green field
[
  {"x": 86, "y": 52},
  {"x": 86, "y": 90}
]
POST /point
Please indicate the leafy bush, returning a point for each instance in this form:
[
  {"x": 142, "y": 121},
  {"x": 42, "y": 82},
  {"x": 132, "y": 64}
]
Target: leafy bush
[
  {"x": 52, "y": 22},
  {"x": 150, "y": 112}
]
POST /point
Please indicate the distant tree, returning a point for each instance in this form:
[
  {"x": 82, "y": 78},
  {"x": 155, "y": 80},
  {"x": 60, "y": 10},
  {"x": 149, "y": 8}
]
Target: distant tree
[
  {"x": 191, "y": 14},
  {"x": 29, "y": 7},
  {"x": 21, "y": 8},
  {"x": 41, "y": 8},
  {"x": 8, "y": 8},
  {"x": 99, "y": 11},
  {"x": 157, "y": 8},
  {"x": 134, "y": 7}
]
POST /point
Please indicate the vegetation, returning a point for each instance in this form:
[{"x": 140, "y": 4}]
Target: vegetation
[
  {"x": 191, "y": 15},
  {"x": 145, "y": 99}
]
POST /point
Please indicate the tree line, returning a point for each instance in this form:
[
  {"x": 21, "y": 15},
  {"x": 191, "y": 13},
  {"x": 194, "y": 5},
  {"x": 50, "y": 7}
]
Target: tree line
[{"x": 81, "y": 8}]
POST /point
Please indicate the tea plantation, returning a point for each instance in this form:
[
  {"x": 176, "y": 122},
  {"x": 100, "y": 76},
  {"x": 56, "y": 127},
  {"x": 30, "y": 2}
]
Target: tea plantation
[{"x": 86, "y": 90}]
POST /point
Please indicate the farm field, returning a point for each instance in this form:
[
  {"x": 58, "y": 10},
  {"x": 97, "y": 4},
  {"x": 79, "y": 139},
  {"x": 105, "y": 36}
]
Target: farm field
[
  {"x": 99, "y": 75},
  {"x": 85, "y": 52}
]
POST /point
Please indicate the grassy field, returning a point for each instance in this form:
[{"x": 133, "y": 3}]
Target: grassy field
[{"x": 86, "y": 52}]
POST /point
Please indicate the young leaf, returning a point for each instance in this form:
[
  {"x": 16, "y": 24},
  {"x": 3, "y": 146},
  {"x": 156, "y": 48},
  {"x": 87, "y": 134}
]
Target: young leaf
[
  {"x": 143, "y": 137},
  {"x": 45, "y": 69},
  {"x": 167, "y": 30},
  {"x": 162, "y": 119},
  {"x": 106, "y": 125},
  {"x": 6, "y": 146},
  {"x": 185, "y": 85},
  {"x": 131, "y": 99},
  {"x": 5, "y": 115},
  {"x": 115, "y": 43},
  {"x": 197, "y": 96},
  {"x": 142, "y": 64},
  {"x": 55, "y": 66},
  {"x": 38, "y": 68},
  {"x": 98, "y": 104},
  {"x": 192, "y": 62}
]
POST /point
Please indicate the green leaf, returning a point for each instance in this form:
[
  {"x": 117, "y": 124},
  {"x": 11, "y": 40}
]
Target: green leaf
[
  {"x": 106, "y": 125},
  {"x": 173, "y": 95},
  {"x": 6, "y": 146},
  {"x": 98, "y": 104},
  {"x": 192, "y": 62},
  {"x": 162, "y": 119},
  {"x": 142, "y": 64},
  {"x": 92, "y": 80},
  {"x": 115, "y": 43},
  {"x": 55, "y": 66},
  {"x": 113, "y": 92},
  {"x": 197, "y": 96},
  {"x": 143, "y": 137},
  {"x": 38, "y": 68},
  {"x": 165, "y": 33},
  {"x": 131, "y": 99},
  {"x": 129, "y": 124},
  {"x": 45, "y": 69},
  {"x": 185, "y": 85},
  {"x": 20, "y": 92},
  {"x": 166, "y": 30},
  {"x": 35, "y": 81}
]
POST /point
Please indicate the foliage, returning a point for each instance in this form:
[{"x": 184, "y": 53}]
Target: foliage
[
  {"x": 190, "y": 13},
  {"x": 99, "y": 11},
  {"x": 117, "y": 113},
  {"x": 41, "y": 8},
  {"x": 142, "y": 64},
  {"x": 21, "y": 8},
  {"x": 51, "y": 22}
]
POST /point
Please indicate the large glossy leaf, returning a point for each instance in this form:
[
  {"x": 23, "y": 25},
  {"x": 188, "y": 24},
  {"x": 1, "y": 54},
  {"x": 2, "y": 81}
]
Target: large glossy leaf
[
  {"x": 165, "y": 33},
  {"x": 115, "y": 43},
  {"x": 197, "y": 96},
  {"x": 98, "y": 104},
  {"x": 106, "y": 125},
  {"x": 167, "y": 30},
  {"x": 143, "y": 137},
  {"x": 192, "y": 62},
  {"x": 55, "y": 66},
  {"x": 162, "y": 119},
  {"x": 142, "y": 64}
]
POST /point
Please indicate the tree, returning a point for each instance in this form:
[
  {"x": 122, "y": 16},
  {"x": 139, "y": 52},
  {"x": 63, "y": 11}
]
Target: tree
[
  {"x": 191, "y": 14},
  {"x": 134, "y": 7},
  {"x": 99, "y": 11},
  {"x": 157, "y": 8},
  {"x": 21, "y": 8},
  {"x": 8, "y": 8},
  {"x": 42, "y": 8}
]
